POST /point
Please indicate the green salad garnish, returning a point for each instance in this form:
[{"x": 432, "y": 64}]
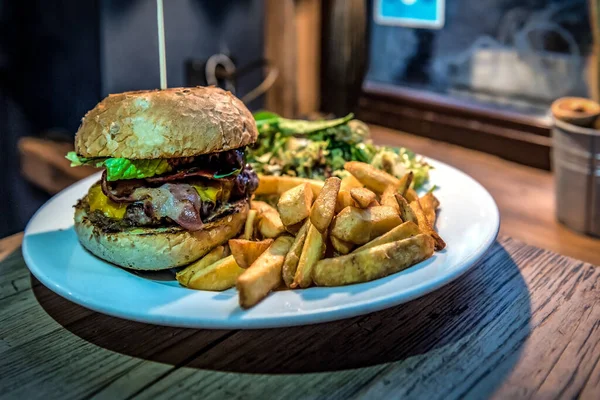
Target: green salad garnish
[
  {"x": 319, "y": 149},
  {"x": 122, "y": 168}
]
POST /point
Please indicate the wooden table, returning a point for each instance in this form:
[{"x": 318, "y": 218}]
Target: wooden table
[{"x": 524, "y": 322}]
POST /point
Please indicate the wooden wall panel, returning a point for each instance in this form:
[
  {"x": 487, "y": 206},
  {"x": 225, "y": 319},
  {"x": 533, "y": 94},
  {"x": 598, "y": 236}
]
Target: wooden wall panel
[{"x": 292, "y": 45}]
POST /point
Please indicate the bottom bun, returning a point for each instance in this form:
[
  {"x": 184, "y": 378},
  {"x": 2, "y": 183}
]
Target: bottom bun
[{"x": 157, "y": 248}]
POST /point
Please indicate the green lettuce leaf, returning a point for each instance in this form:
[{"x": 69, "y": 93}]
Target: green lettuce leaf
[
  {"x": 302, "y": 127},
  {"x": 265, "y": 115},
  {"x": 123, "y": 168},
  {"x": 77, "y": 160},
  {"x": 227, "y": 174},
  {"x": 265, "y": 118}
]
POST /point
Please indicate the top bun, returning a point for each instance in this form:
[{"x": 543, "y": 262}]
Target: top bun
[{"x": 175, "y": 122}]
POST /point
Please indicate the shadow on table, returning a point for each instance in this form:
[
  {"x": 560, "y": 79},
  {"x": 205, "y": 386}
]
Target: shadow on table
[{"x": 481, "y": 317}]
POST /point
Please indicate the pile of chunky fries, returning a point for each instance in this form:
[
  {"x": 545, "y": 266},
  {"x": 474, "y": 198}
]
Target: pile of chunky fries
[{"x": 333, "y": 233}]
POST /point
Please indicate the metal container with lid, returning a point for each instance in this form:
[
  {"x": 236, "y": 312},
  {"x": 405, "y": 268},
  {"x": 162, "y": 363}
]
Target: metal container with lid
[{"x": 576, "y": 165}]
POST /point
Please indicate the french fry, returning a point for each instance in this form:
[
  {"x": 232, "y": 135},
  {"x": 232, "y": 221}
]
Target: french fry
[
  {"x": 261, "y": 207},
  {"x": 350, "y": 182},
  {"x": 405, "y": 182},
  {"x": 269, "y": 222},
  {"x": 383, "y": 219},
  {"x": 358, "y": 226},
  {"x": 425, "y": 226},
  {"x": 434, "y": 200},
  {"x": 352, "y": 225},
  {"x": 373, "y": 178},
  {"x": 400, "y": 232},
  {"x": 268, "y": 185},
  {"x": 363, "y": 197},
  {"x": 406, "y": 212},
  {"x": 411, "y": 195},
  {"x": 340, "y": 246},
  {"x": 294, "y": 204},
  {"x": 183, "y": 276},
  {"x": 429, "y": 204},
  {"x": 264, "y": 275},
  {"x": 344, "y": 199},
  {"x": 388, "y": 198},
  {"x": 249, "y": 226},
  {"x": 290, "y": 265},
  {"x": 312, "y": 251},
  {"x": 293, "y": 229},
  {"x": 373, "y": 263},
  {"x": 270, "y": 225},
  {"x": 245, "y": 252},
  {"x": 323, "y": 209},
  {"x": 218, "y": 276}
]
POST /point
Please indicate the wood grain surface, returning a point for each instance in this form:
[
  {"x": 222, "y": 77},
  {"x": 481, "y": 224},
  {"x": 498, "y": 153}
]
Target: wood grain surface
[{"x": 523, "y": 323}]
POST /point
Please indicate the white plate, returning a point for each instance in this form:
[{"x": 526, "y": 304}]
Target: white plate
[{"x": 468, "y": 222}]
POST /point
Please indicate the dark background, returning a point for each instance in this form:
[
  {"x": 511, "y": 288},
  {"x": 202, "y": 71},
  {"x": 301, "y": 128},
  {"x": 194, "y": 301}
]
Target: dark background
[{"x": 58, "y": 58}]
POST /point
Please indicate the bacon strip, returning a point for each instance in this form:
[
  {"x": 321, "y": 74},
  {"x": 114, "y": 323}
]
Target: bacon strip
[
  {"x": 186, "y": 173},
  {"x": 168, "y": 197},
  {"x": 178, "y": 201},
  {"x": 120, "y": 191}
]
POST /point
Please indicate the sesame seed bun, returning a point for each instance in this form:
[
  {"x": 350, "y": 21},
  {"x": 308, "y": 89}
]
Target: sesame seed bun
[{"x": 175, "y": 122}]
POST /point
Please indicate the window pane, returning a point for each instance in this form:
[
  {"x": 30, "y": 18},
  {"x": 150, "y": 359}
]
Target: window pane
[{"x": 515, "y": 54}]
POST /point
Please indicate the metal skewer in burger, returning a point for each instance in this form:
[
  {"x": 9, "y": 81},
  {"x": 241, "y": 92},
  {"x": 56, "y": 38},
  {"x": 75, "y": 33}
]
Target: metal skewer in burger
[{"x": 175, "y": 183}]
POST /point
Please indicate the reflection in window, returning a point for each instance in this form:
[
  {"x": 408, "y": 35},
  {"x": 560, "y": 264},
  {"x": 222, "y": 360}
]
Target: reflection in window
[{"x": 510, "y": 53}]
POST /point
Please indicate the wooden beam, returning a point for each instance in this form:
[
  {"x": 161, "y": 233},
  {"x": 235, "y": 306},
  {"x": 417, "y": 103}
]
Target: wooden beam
[
  {"x": 293, "y": 45},
  {"x": 280, "y": 50},
  {"x": 308, "y": 55},
  {"x": 344, "y": 54}
]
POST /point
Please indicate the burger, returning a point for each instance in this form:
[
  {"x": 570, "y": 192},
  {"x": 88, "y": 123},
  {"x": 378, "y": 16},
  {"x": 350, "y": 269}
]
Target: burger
[{"x": 175, "y": 182}]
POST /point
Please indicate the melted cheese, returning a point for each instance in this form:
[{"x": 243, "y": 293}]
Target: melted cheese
[
  {"x": 98, "y": 201},
  {"x": 208, "y": 193}
]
